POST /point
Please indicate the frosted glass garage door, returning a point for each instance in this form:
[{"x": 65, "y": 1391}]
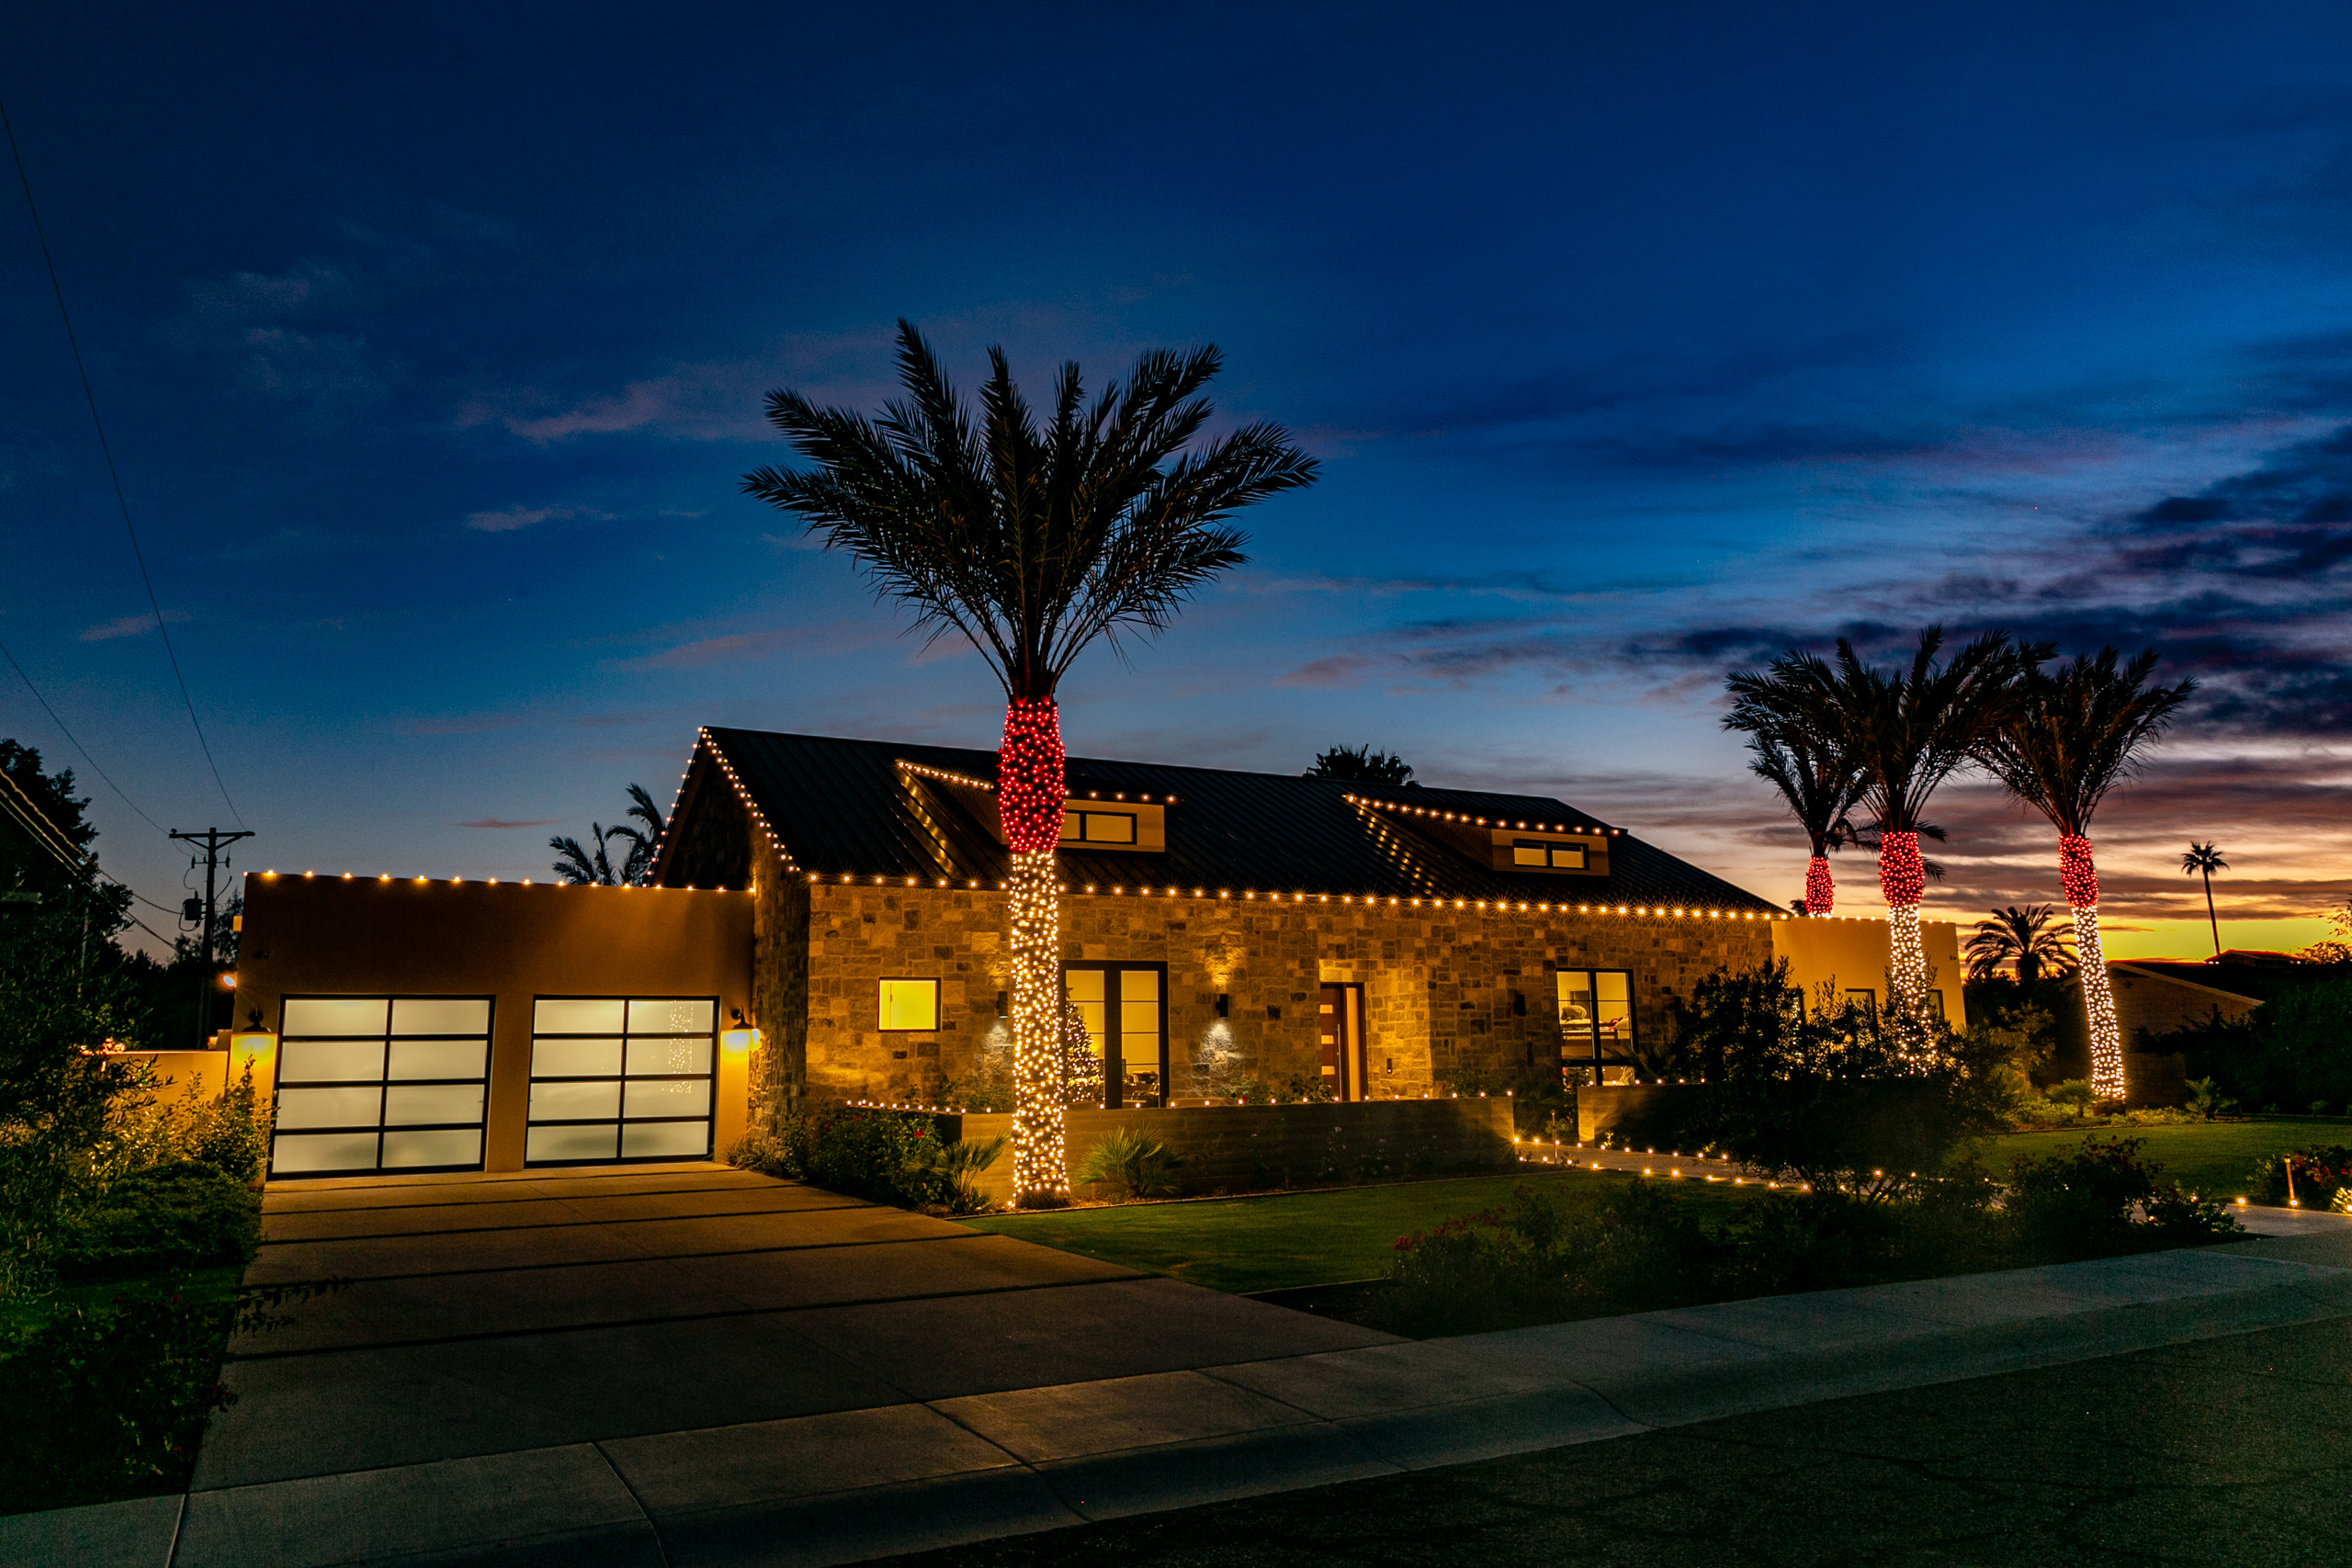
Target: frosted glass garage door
[
  {"x": 381, "y": 1083},
  {"x": 621, "y": 1079}
]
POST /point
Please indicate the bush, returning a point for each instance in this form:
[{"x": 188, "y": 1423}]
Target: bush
[
  {"x": 186, "y": 1214},
  {"x": 959, "y": 1164},
  {"x": 890, "y": 1156},
  {"x": 1137, "y": 1165},
  {"x": 107, "y": 1403},
  {"x": 2081, "y": 1203},
  {"x": 2320, "y": 1173},
  {"x": 2293, "y": 1049}
]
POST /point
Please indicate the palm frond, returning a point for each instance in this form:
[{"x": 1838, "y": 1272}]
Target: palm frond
[
  {"x": 1032, "y": 542},
  {"x": 2076, "y": 733}
]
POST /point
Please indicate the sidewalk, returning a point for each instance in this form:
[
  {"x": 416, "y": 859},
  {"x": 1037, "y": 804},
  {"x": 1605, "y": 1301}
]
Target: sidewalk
[{"x": 938, "y": 1468}]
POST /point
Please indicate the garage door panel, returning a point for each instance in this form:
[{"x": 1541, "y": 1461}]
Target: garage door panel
[
  {"x": 416, "y": 1105},
  {"x": 353, "y": 1099},
  {"x": 610, "y": 1066},
  {"x": 438, "y": 1059}
]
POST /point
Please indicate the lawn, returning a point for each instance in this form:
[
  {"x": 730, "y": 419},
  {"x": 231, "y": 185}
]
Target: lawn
[
  {"x": 2214, "y": 1158},
  {"x": 1287, "y": 1240}
]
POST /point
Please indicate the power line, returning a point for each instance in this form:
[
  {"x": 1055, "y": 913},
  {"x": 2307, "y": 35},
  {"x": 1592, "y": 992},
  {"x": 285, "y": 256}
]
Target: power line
[
  {"x": 76, "y": 744},
  {"x": 107, "y": 452},
  {"x": 50, "y": 837}
]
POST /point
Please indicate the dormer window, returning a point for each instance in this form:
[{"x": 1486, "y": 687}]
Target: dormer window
[
  {"x": 1089, "y": 827},
  {"x": 1543, "y": 854}
]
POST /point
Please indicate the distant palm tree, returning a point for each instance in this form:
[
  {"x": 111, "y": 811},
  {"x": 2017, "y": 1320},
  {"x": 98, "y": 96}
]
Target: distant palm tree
[
  {"x": 2204, "y": 860},
  {"x": 644, "y": 839},
  {"x": 1908, "y": 731},
  {"x": 583, "y": 868},
  {"x": 1033, "y": 544},
  {"x": 1817, "y": 777},
  {"x": 2074, "y": 734},
  {"x": 1360, "y": 765},
  {"x": 2023, "y": 939}
]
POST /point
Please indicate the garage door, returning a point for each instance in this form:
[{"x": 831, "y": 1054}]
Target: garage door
[
  {"x": 381, "y": 1083},
  {"x": 621, "y": 1079}
]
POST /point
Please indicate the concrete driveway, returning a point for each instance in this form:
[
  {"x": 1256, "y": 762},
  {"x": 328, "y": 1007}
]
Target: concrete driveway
[{"x": 485, "y": 1314}]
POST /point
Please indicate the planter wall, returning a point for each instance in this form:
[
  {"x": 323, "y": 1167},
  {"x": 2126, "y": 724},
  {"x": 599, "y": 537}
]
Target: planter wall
[
  {"x": 1602, "y": 1109},
  {"x": 1246, "y": 1148}
]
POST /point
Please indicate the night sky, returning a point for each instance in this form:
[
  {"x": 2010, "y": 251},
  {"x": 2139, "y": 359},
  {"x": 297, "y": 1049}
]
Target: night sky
[{"x": 1636, "y": 343}]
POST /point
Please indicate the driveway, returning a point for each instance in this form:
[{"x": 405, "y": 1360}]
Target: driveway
[{"x": 485, "y": 1314}]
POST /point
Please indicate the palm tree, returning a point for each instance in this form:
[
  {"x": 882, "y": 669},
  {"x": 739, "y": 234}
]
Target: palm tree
[
  {"x": 576, "y": 865},
  {"x": 644, "y": 839},
  {"x": 1906, "y": 731},
  {"x": 1031, "y": 543},
  {"x": 2204, "y": 860},
  {"x": 2024, "y": 939},
  {"x": 2071, "y": 735},
  {"x": 1815, "y": 776}
]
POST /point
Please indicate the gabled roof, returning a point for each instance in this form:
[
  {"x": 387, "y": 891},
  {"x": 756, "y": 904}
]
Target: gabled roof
[
  {"x": 2248, "y": 982},
  {"x": 869, "y": 807}
]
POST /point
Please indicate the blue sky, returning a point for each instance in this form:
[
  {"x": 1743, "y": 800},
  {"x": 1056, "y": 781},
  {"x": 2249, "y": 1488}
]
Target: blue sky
[{"x": 432, "y": 340}]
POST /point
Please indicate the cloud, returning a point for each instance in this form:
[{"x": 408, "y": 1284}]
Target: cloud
[
  {"x": 508, "y": 519},
  {"x": 502, "y": 822},
  {"x": 733, "y": 647},
  {"x": 710, "y": 400},
  {"x": 129, "y": 626}
]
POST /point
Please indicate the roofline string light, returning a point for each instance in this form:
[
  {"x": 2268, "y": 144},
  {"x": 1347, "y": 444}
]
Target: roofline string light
[{"x": 1468, "y": 820}]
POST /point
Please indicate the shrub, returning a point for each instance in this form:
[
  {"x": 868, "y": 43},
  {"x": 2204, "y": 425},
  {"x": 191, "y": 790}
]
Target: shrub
[
  {"x": 2294, "y": 1049},
  {"x": 2081, "y": 1204},
  {"x": 890, "y": 1156},
  {"x": 107, "y": 1403},
  {"x": 1136, "y": 1164},
  {"x": 186, "y": 1214},
  {"x": 959, "y": 1165},
  {"x": 2206, "y": 1099},
  {"x": 2318, "y": 1173}
]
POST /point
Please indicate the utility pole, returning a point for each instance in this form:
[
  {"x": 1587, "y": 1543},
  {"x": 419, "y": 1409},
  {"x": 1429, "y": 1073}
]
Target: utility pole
[{"x": 213, "y": 840}]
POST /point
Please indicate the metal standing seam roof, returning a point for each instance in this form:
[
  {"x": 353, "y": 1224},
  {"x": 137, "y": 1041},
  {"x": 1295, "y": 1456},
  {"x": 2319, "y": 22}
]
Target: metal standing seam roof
[{"x": 846, "y": 808}]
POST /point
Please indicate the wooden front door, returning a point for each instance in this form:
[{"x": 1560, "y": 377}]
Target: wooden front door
[{"x": 1339, "y": 1030}]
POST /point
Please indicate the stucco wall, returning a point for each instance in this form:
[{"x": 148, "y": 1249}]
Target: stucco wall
[
  {"x": 2158, "y": 1003},
  {"x": 1850, "y": 953}
]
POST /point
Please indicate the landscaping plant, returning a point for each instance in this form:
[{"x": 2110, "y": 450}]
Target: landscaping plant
[
  {"x": 1033, "y": 543},
  {"x": 1134, "y": 1165},
  {"x": 2313, "y": 1177},
  {"x": 2104, "y": 1199}
]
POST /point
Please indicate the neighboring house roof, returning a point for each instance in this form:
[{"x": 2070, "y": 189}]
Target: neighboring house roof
[
  {"x": 2206, "y": 978},
  {"x": 839, "y": 807},
  {"x": 2256, "y": 982}
]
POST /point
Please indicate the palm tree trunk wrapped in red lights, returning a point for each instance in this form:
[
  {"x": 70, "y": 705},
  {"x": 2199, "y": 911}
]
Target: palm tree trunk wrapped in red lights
[
  {"x": 2071, "y": 735},
  {"x": 1029, "y": 790},
  {"x": 1033, "y": 543}
]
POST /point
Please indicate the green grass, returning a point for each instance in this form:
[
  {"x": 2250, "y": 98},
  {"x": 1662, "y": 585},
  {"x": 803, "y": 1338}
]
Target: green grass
[
  {"x": 2210, "y": 1158},
  {"x": 1287, "y": 1240},
  {"x": 2215, "y": 1158}
]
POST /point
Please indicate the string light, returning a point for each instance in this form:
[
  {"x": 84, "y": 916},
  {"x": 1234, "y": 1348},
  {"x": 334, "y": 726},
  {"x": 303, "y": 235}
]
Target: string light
[
  {"x": 2079, "y": 877},
  {"x": 1031, "y": 789},
  {"x": 1820, "y": 891}
]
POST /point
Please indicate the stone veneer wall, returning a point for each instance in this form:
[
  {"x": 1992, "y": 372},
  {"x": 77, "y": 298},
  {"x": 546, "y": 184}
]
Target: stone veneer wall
[{"x": 1438, "y": 983}]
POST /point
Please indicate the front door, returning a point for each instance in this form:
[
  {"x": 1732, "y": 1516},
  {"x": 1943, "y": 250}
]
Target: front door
[{"x": 1341, "y": 1032}]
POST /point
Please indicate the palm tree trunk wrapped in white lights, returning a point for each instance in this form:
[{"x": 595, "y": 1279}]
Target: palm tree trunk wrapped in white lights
[{"x": 1033, "y": 543}]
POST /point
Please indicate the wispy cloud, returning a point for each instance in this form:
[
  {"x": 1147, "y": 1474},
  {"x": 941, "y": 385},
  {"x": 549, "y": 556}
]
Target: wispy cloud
[
  {"x": 129, "y": 626},
  {"x": 510, "y": 519},
  {"x": 500, "y": 822}
]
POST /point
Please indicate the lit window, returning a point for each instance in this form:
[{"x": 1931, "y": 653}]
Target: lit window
[
  {"x": 1098, "y": 826},
  {"x": 1936, "y": 1005},
  {"x": 1544, "y": 856},
  {"x": 910, "y": 1005}
]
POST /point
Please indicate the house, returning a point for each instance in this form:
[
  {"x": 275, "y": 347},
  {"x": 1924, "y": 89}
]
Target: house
[{"x": 828, "y": 925}]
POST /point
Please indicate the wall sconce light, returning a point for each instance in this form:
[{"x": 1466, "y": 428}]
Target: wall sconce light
[
  {"x": 1223, "y": 1002},
  {"x": 739, "y": 1041},
  {"x": 253, "y": 1046}
]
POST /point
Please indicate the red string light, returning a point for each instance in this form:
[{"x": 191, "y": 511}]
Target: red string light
[
  {"x": 1029, "y": 784},
  {"x": 2074, "y": 871},
  {"x": 1901, "y": 875},
  {"x": 1820, "y": 892}
]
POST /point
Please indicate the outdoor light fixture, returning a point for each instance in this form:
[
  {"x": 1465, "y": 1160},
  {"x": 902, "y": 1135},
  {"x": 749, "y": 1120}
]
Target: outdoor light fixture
[
  {"x": 229, "y": 981},
  {"x": 253, "y": 1046}
]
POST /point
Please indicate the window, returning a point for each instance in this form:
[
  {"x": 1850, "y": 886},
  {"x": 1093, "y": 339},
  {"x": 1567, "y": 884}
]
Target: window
[
  {"x": 1862, "y": 997},
  {"x": 620, "y": 1078},
  {"x": 1597, "y": 1021},
  {"x": 1125, "y": 1007},
  {"x": 1542, "y": 855},
  {"x": 1936, "y": 1006},
  {"x": 381, "y": 1083},
  {"x": 909, "y": 1005},
  {"x": 1098, "y": 826}
]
